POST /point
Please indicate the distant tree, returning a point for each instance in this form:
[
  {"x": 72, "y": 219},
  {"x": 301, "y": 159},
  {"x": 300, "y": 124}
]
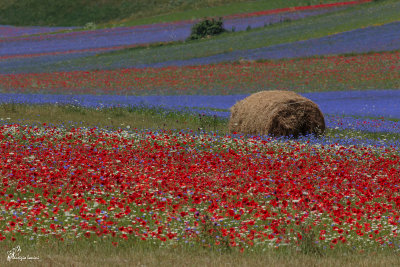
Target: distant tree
[{"x": 207, "y": 27}]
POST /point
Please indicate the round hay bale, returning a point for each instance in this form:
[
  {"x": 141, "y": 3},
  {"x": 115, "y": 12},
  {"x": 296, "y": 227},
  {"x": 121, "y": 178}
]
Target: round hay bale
[{"x": 276, "y": 113}]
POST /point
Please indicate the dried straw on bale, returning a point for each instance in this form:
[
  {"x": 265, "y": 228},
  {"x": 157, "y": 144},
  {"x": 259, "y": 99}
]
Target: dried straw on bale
[{"x": 276, "y": 113}]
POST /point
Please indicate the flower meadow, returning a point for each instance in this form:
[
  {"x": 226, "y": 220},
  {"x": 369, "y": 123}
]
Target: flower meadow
[
  {"x": 333, "y": 73},
  {"x": 74, "y": 183},
  {"x": 215, "y": 191}
]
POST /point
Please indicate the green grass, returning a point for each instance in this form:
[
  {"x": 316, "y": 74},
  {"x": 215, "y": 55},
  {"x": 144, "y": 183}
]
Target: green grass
[
  {"x": 370, "y": 14},
  {"x": 113, "y": 12},
  {"x": 135, "y": 253},
  {"x": 110, "y": 118}
]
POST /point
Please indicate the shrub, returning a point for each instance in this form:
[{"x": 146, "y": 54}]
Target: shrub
[{"x": 207, "y": 27}]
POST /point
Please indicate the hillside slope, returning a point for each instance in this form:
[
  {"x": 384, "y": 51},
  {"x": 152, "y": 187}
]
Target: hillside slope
[
  {"x": 327, "y": 30},
  {"x": 80, "y": 12}
]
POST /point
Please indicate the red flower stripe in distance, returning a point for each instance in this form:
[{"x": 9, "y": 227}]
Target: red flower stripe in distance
[
  {"x": 380, "y": 70},
  {"x": 297, "y": 8}
]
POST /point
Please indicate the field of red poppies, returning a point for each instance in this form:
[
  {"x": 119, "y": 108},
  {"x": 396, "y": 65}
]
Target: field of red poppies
[{"x": 207, "y": 190}]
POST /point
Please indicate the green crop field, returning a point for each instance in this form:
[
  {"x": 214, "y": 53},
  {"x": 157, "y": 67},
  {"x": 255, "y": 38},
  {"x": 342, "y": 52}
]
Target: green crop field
[{"x": 133, "y": 12}]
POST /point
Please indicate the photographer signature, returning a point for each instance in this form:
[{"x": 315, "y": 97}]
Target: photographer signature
[{"x": 14, "y": 255}]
